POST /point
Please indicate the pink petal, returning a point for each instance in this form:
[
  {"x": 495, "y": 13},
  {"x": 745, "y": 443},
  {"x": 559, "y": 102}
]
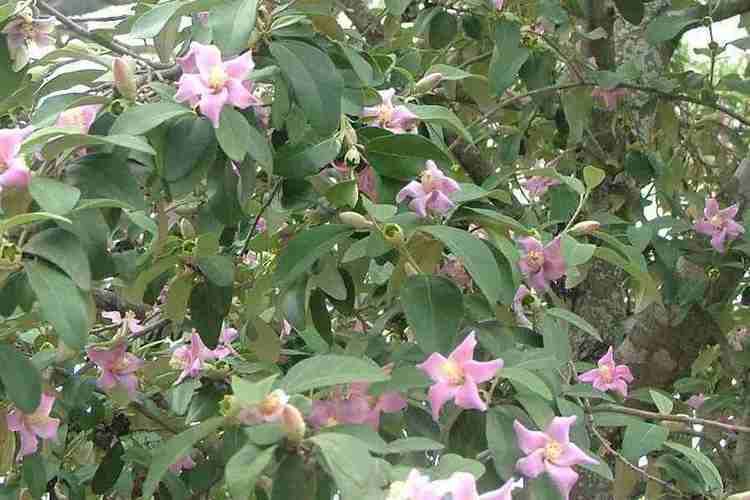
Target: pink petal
[
  {"x": 411, "y": 190},
  {"x": 482, "y": 371},
  {"x": 14, "y": 420},
  {"x": 46, "y": 429},
  {"x": 467, "y": 396},
  {"x": 10, "y": 142},
  {"x": 463, "y": 486},
  {"x": 530, "y": 244},
  {"x": 106, "y": 380},
  {"x": 238, "y": 95},
  {"x": 438, "y": 395},
  {"x": 532, "y": 465},
  {"x": 734, "y": 229},
  {"x": 212, "y": 104},
  {"x": 538, "y": 281},
  {"x": 402, "y": 119},
  {"x": 573, "y": 455},
  {"x": 386, "y": 96},
  {"x": 370, "y": 111},
  {"x": 529, "y": 441},
  {"x": 419, "y": 205},
  {"x": 45, "y": 404},
  {"x": 189, "y": 89},
  {"x": 729, "y": 212},
  {"x": 704, "y": 227},
  {"x": 130, "y": 383},
  {"x": 621, "y": 387},
  {"x": 187, "y": 62},
  {"x": 623, "y": 372},
  {"x": 15, "y": 177},
  {"x": 113, "y": 316},
  {"x": 207, "y": 57},
  {"x": 29, "y": 443},
  {"x": 712, "y": 208},
  {"x": 391, "y": 402},
  {"x": 717, "y": 241},
  {"x": 563, "y": 477},
  {"x": 240, "y": 66},
  {"x": 448, "y": 185},
  {"x": 465, "y": 350},
  {"x": 134, "y": 326},
  {"x": 608, "y": 359},
  {"x": 433, "y": 367},
  {"x": 590, "y": 376},
  {"x": 439, "y": 203},
  {"x": 505, "y": 491},
  {"x": 559, "y": 429},
  {"x": 321, "y": 413}
]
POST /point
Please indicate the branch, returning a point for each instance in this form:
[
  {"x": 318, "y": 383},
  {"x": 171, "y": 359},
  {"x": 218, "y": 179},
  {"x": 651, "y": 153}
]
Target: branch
[
  {"x": 724, "y": 10},
  {"x": 685, "y": 419},
  {"x": 265, "y": 206},
  {"x": 82, "y": 32}
]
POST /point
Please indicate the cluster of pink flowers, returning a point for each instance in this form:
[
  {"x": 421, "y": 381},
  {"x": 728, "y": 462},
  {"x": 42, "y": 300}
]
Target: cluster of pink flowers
[
  {"x": 431, "y": 193},
  {"x": 354, "y": 405},
  {"x": 608, "y": 376},
  {"x": 396, "y": 118},
  {"x": 130, "y": 324},
  {"x": 552, "y": 452},
  {"x": 719, "y": 224},
  {"x": 27, "y": 38},
  {"x": 456, "y": 377},
  {"x": 460, "y": 486},
  {"x": 453, "y": 268},
  {"x": 13, "y": 170},
  {"x": 191, "y": 359},
  {"x": 541, "y": 264},
  {"x": 210, "y": 83},
  {"x": 117, "y": 367},
  {"x": 33, "y": 426}
]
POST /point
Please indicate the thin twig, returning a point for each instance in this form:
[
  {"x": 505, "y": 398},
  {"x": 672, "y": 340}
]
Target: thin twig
[
  {"x": 685, "y": 419},
  {"x": 263, "y": 208},
  {"x": 82, "y": 32},
  {"x": 105, "y": 19}
]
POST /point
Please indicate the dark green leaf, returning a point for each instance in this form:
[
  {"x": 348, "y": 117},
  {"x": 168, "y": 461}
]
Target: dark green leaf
[
  {"x": 442, "y": 29},
  {"x": 507, "y": 57},
  {"x": 403, "y": 156},
  {"x": 109, "y": 470},
  {"x": 63, "y": 249},
  {"x": 219, "y": 269},
  {"x": 232, "y": 22},
  {"x": 152, "y": 22},
  {"x": 142, "y": 118},
  {"x": 296, "y": 161},
  {"x": 667, "y": 26},
  {"x": 54, "y": 196},
  {"x": 244, "y": 468},
  {"x": 35, "y": 475},
  {"x": 232, "y": 133},
  {"x": 434, "y": 309},
  {"x": 642, "y": 438},
  {"x": 306, "y": 248},
  {"x": 21, "y": 380},
  {"x": 316, "y": 372},
  {"x": 575, "y": 320},
  {"x": 631, "y": 10},
  {"x": 186, "y": 142}
]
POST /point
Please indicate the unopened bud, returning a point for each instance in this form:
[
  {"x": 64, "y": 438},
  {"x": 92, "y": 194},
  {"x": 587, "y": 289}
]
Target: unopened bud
[
  {"x": 357, "y": 221},
  {"x": 352, "y": 156},
  {"x": 293, "y": 424},
  {"x": 186, "y": 229},
  {"x": 585, "y": 227},
  {"x": 393, "y": 234},
  {"x": 428, "y": 83},
  {"x": 124, "y": 74},
  {"x": 410, "y": 270}
]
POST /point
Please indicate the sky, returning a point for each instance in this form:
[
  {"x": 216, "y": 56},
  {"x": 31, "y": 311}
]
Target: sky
[{"x": 724, "y": 32}]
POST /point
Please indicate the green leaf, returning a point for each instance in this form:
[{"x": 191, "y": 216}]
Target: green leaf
[
  {"x": 575, "y": 320},
  {"x": 258, "y": 148},
  {"x": 593, "y": 176},
  {"x": 642, "y": 438},
  {"x": 502, "y": 441},
  {"x": 178, "y": 296},
  {"x": 667, "y": 26},
  {"x": 306, "y": 248},
  {"x": 343, "y": 194},
  {"x": 106, "y": 176},
  {"x": 317, "y": 372},
  {"x": 232, "y": 133},
  {"x": 219, "y": 269},
  {"x": 662, "y": 402},
  {"x": 35, "y": 475},
  {"x": 296, "y": 161},
  {"x": 442, "y": 116},
  {"x": 317, "y": 85},
  {"x": 109, "y": 470},
  {"x": 347, "y": 458},
  {"x": 175, "y": 448},
  {"x": 140, "y": 119},
  {"x": 186, "y": 142},
  {"x": 250, "y": 393},
  {"x": 54, "y": 196},
  {"x": 152, "y": 22},
  {"x": 442, "y": 29},
  {"x": 478, "y": 261},
  {"x": 61, "y": 303},
  {"x": 244, "y": 468},
  {"x": 708, "y": 471},
  {"x": 575, "y": 253},
  {"x": 232, "y": 23},
  {"x": 578, "y": 106},
  {"x": 556, "y": 340},
  {"x": 403, "y": 156},
  {"x": 21, "y": 380},
  {"x": 397, "y": 7},
  {"x": 64, "y": 250},
  {"x": 413, "y": 444},
  {"x": 434, "y": 309},
  {"x": 507, "y": 56},
  {"x": 528, "y": 380},
  {"x": 631, "y": 10}
]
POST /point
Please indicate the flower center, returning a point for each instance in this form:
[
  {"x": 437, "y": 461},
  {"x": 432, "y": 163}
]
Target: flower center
[
  {"x": 269, "y": 405},
  {"x": 428, "y": 181},
  {"x": 36, "y": 418},
  {"x": 552, "y": 451},
  {"x": 332, "y": 421},
  {"x": 453, "y": 372},
  {"x": 385, "y": 113},
  {"x": 121, "y": 365},
  {"x": 535, "y": 258},
  {"x": 717, "y": 221},
  {"x": 218, "y": 78},
  {"x": 606, "y": 373}
]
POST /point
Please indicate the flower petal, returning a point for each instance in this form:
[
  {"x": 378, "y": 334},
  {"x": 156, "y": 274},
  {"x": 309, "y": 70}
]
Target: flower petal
[
  {"x": 433, "y": 367},
  {"x": 212, "y": 104},
  {"x": 467, "y": 396},
  {"x": 482, "y": 371},
  {"x": 532, "y": 465},
  {"x": 563, "y": 477},
  {"x": 465, "y": 350},
  {"x": 528, "y": 440},
  {"x": 240, "y": 66},
  {"x": 463, "y": 486},
  {"x": 573, "y": 455},
  {"x": 438, "y": 395},
  {"x": 238, "y": 95},
  {"x": 559, "y": 429}
]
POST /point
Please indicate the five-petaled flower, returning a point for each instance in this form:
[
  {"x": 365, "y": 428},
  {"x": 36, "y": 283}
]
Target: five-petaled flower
[
  {"x": 130, "y": 322},
  {"x": 719, "y": 224},
  {"x": 13, "y": 171},
  {"x": 552, "y": 452},
  {"x": 456, "y": 377},
  {"x": 79, "y": 118},
  {"x": 608, "y": 376},
  {"x": 191, "y": 359},
  {"x": 396, "y": 118},
  {"x": 537, "y": 185},
  {"x": 541, "y": 264},
  {"x": 431, "y": 193},
  {"x": 210, "y": 83},
  {"x": 33, "y": 426},
  {"x": 27, "y": 37},
  {"x": 117, "y": 367}
]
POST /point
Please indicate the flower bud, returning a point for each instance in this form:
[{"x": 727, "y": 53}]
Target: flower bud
[
  {"x": 186, "y": 229},
  {"x": 293, "y": 424},
  {"x": 357, "y": 221},
  {"x": 352, "y": 156},
  {"x": 125, "y": 81},
  {"x": 713, "y": 274},
  {"x": 393, "y": 234},
  {"x": 585, "y": 227},
  {"x": 428, "y": 83}
]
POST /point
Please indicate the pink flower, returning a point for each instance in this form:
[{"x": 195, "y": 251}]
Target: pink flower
[
  {"x": 696, "y": 401},
  {"x": 431, "y": 193},
  {"x": 397, "y": 119},
  {"x": 719, "y": 224},
  {"x": 463, "y": 486},
  {"x": 457, "y": 377},
  {"x": 250, "y": 259},
  {"x": 541, "y": 264},
  {"x": 366, "y": 183},
  {"x": 416, "y": 487},
  {"x": 224, "y": 349},
  {"x": 33, "y": 426},
  {"x": 79, "y": 118},
  {"x": 552, "y": 452},
  {"x": 184, "y": 463},
  {"x": 211, "y": 84},
  {"x": 608, "y": 376},
  {"x": 132, "y": 324},
  {"x": 191, "y": 358},
  {"x": 609, "y": 97},
  {"x": 261, "y": 226},
  {"x": 519, "y": 302},
  {"x": 355, "y": 406},
  {"x": 499, "y": 4},
  {"x": 538, "y": 185},
  {"x": 27, "y": 37},
  {"x": 13, "y": 171},
  {"x": 117, "y": 367},
  {"x": 455, "y": 270},
  {"x": 269, "y": 410},
  {"x": 389, "y": 402}
]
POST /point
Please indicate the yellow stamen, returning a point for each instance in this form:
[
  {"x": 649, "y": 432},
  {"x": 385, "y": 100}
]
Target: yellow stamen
[
  {"x": 453, "y": 372},
  {"x": 552, "y": 451},
  {"x": 535, "y": 258},
  {"x": 606, "y": 373},
  {"x": 218, "y": 78}
]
